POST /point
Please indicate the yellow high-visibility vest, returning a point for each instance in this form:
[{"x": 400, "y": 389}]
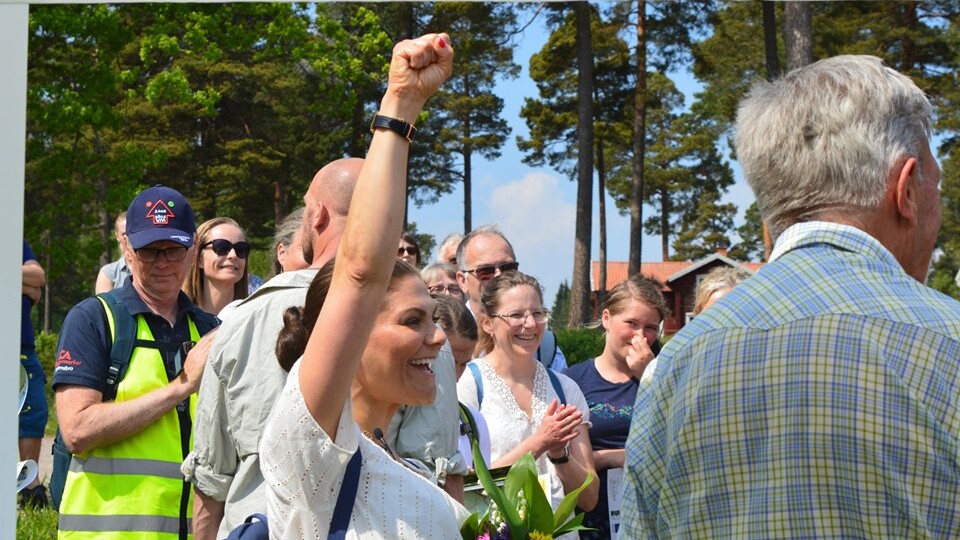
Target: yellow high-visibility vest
[{"x": 133, "y": 488}]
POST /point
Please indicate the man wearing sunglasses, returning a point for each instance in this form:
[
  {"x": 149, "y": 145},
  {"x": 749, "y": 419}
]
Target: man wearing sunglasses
[
  {"x": 129, "y": 425},
  {"x": 482, "y": 255}
]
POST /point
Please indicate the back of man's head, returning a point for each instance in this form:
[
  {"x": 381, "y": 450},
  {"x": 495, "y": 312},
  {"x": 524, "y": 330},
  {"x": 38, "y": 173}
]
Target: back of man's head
[
  {"x": 826, "y": 136},
  {"x": 326, "y": 205}
]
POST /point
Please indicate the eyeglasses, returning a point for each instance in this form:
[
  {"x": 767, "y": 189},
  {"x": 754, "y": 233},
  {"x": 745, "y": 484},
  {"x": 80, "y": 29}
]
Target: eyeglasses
[
  {"x": 519, "y": 318},
  {"x": 222, "y": 247},
  {"x": 172, "y": 254},
  {"x": 409, "y": 250},
  {"x": 487, "y": 271},
  {"x": 453, "y": 290}
]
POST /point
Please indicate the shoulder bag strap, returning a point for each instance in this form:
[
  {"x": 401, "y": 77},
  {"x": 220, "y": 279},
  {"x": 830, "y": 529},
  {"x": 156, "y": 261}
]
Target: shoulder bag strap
[
  {"x": 345, "y": 499},
  {"x": 476, "y": 377},
  {"x": 555, "y": 381}
]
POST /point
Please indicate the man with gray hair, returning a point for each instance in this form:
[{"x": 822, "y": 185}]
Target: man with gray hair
[{"x": 818, "y": 398}]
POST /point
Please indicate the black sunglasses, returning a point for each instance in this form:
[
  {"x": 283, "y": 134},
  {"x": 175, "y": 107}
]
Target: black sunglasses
[
  {"x": 409, "y": 250},
  {"x": 222, "y": 247},
  {"x": 487, "y": 271}
]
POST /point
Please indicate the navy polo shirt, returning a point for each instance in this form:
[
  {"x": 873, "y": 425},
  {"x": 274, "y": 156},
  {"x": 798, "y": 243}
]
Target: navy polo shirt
[{"x": 83, "y": 353}]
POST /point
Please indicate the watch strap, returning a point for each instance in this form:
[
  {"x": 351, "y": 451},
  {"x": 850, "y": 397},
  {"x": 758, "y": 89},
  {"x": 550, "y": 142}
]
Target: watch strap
[
  {"x": 398, "y": 126},
  {"x": 562, "y": 459}
]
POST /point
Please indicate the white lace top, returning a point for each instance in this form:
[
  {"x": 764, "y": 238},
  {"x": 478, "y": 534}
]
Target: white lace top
[
  {"x": 303, "y": 469},
  {"x": 507, "y": 422}
]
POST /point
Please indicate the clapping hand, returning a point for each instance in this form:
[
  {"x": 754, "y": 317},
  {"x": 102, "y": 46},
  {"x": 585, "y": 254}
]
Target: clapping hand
[{"x": 559, "y": 426}]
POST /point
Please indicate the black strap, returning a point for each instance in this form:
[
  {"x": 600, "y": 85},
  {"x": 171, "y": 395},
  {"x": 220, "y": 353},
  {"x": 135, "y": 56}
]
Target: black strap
[{"x": 348, "y": 494}]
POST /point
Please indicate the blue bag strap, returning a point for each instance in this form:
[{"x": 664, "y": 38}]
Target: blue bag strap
[
  {"x": 345, "y": 499},
  {"x": 476, "y": 377},
  {"x": 250, "y": 529},
  {"x": 555, "y": 381}
]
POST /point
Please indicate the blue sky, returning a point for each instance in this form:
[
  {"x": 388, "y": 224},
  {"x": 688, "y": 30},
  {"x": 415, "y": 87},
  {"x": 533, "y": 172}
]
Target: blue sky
[{"x": 535, "y": 207}]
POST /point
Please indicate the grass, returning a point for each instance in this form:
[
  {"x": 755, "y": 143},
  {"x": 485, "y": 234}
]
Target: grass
[{"x": 37, "y": 524}]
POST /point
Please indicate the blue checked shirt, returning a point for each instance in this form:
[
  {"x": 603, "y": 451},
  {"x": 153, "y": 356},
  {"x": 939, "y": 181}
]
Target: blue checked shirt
[{"x": 820, "y": 398}]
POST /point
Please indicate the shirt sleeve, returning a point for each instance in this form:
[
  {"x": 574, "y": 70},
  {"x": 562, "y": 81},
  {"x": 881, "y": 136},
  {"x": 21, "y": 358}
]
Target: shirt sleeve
[
  {"x": 83, "y": 353},
  {"x": 212, "y": 464},
  {"x": 559, "y": 363}
]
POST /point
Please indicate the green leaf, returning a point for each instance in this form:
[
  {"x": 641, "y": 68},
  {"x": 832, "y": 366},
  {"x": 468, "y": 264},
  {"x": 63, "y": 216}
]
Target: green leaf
[
  {"x": 471, "y": 527},
  {"x": 508, "y": 511},
  {"x": 523, "y": 477},
  {"x": 575, "y": 524},
  {"x": 569, "y": 503}
]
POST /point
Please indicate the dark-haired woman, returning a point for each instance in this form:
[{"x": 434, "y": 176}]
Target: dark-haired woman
[
  {"x": 372, "y": 352},
  {"x": 630, "y": 317},
  {"x": 522, "y": 401}
]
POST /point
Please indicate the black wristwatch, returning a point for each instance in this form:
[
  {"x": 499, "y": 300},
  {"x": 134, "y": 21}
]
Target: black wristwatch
[
  {"x": 562, "y": 459},
  {"x": 398, "y": 126}
]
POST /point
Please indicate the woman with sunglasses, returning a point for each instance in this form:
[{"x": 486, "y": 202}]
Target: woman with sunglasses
[
  {"x": 373, "y": 348},
  {"x": 521, "y": 399},
  {"x": 409, "y": 250},
  {"x": 219, "y": 275},
  {"x": 630, "y": 316}
]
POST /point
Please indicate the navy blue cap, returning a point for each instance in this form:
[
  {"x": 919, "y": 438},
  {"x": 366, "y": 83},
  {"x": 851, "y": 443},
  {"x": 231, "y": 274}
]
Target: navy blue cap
[{"x": 160, "y": 213}]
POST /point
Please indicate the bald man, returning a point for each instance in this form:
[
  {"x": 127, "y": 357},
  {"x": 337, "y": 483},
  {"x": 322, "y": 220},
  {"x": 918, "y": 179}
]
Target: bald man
[{"x": 243, "y": 378}]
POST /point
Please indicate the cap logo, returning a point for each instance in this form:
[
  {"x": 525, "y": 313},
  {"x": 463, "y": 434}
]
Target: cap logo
[{"x": 160, "y": 213}]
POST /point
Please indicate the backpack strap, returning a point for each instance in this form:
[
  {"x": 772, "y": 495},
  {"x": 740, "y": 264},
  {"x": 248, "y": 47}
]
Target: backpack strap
[
  {"x": 123, "y": 331},
  {"x": 547, "y": 349},
  {"x": 555, "y": 381},
  {"x": 479, "y": 380},
  {"x": 468, "y": 424}
]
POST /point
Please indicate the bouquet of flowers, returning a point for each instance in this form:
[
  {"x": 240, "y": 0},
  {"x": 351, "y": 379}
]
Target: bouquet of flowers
[{"x": 521, "y": 510}]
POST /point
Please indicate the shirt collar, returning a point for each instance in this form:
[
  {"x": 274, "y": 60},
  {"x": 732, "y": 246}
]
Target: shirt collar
[
  {"x": 136, "y": 305},
  {"x": 844, "y": 237}
]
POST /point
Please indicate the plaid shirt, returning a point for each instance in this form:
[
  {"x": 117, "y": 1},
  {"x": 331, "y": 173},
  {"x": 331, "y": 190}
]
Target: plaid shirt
[{"x": 820, "y": 398}]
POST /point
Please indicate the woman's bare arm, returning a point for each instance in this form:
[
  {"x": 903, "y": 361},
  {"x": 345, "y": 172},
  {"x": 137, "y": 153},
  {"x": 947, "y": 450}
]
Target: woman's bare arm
[{"x": 367, "y": 251}]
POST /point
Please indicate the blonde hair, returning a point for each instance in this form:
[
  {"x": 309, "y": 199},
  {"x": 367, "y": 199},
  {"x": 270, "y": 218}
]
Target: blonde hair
[
  {"x": 490, "y": 303},
  {"x": 718, "y": 279},
  {"x": 639, "y": 287}
]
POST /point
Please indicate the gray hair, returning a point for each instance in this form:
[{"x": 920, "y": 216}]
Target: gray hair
[
  {"x": 434, "y": 271},
  {"x": 480, "y": 231},
  {"x": 719, "y": 279},
  {"x": 826, "y": 136},
  {"x": 452, "y": 240},
  {"x": 286, "y": 230}
]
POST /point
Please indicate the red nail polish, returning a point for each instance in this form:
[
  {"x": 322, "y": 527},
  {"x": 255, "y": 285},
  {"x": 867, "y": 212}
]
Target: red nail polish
[{"x": 443, "y": 44}]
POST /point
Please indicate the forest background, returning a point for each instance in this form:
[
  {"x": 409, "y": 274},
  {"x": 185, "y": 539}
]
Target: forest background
[{"x": 237, "y": 105}]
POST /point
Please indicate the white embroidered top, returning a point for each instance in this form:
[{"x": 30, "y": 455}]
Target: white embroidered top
[{"x": 303, "y": 469}]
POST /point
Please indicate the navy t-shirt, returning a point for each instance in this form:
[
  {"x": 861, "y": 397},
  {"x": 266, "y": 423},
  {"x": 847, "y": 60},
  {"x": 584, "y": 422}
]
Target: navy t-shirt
[
  {"x": 83, "y": 354},
  {"x": 611, "y": 408},
  {"x": 26, "y": 323}
]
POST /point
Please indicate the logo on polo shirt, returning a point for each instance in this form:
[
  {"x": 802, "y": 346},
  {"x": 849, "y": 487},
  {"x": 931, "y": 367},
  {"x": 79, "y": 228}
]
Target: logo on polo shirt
[{"x": 160, "y": 213}]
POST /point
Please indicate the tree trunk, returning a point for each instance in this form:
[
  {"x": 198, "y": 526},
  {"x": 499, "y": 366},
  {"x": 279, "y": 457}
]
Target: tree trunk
[
  {"x": 639, "y": 144},
  {"x": 467, "y": 199},
  {"x": 770, "y": 39},
  {"x": 664, "y": 224},
  {"x": 798, "y": 34},
  {"x": 580, "y": 291},
  {"x": 104, "y": 225},
  {"x": 602, "y": 218}
]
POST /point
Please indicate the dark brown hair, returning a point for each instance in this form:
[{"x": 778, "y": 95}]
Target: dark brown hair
[{"x": 298, "y": 322}]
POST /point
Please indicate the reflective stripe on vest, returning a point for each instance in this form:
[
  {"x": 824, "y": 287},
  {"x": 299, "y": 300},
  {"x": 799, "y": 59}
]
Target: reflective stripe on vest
[{"x": 134, "y": 485}]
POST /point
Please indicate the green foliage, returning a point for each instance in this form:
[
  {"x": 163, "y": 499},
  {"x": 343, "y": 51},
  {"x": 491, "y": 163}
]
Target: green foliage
[
  {"x": 750, "y": 247},
  {"x": 46, "y": 346},
  {"x": 521, "y": 504},
  {"x": 37, "y": 523},
  {"x": 560, "y": 312},
  {"x": 579, "y": 344}
]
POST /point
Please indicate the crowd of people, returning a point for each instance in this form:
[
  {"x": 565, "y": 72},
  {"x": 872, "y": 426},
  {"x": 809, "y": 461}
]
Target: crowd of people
[{"x": 815, "y": 398}]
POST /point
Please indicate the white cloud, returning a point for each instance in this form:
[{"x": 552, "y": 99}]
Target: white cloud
[{"x": 539, "y": 222}]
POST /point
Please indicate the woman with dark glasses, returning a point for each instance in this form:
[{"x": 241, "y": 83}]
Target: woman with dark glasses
[
  {"x": 219, "y": 275},
  {"x": 409, "y": 250}
]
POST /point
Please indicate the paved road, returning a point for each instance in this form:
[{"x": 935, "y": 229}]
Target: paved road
[{"x": 46, "y": 459}]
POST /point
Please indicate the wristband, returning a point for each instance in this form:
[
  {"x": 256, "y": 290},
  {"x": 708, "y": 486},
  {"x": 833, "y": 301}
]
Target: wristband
[
  {"x": 562, "y": 459},
  {"x": 400, "y": 127}
]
